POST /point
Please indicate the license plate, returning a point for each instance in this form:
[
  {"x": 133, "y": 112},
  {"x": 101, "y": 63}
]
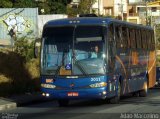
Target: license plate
[{"x": 73, "y": 94}]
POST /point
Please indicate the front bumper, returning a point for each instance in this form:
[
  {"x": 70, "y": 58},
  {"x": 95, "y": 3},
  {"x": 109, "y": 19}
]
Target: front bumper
[{"x": 93, "y": 93}]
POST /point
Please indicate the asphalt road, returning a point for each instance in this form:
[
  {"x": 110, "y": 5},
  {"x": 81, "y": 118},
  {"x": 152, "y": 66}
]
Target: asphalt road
[{"x": 129, "y": 108}]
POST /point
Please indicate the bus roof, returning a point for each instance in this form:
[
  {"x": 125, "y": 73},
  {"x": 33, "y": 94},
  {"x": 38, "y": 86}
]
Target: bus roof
[{"x": 89, "y": 21}]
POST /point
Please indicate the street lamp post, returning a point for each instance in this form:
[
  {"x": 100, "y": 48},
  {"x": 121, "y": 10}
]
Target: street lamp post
[
  {"x": 98, "y": 8},
  {"x": 122, "y": 10},
  {"x": 146, "y": 13}
]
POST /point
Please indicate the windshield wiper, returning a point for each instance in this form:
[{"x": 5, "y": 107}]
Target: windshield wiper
[{"x": 80, "y": 67}]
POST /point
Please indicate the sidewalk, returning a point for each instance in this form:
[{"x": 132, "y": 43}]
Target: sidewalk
[{"x": 21, "y": 100}]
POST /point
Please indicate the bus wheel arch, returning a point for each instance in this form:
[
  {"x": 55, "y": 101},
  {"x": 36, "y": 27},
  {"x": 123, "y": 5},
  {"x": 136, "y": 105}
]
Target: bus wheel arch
[{"x": 144, "y": 91}]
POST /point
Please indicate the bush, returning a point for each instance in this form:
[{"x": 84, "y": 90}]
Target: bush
[
  {"x": 25, "y": 48},
  {"x": 19, "y": 71}
]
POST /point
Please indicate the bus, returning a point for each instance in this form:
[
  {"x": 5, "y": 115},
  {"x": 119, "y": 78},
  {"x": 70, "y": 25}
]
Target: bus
[{"x": 127, "y": 62}]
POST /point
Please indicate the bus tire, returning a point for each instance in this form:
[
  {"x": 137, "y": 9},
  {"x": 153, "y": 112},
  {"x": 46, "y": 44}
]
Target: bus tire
[
  {"x": 143, "y": 93},
  {"x": 63, "y": 103},
  {"x": 116, "y": 99},
  {"x": 136, "y": 94}
]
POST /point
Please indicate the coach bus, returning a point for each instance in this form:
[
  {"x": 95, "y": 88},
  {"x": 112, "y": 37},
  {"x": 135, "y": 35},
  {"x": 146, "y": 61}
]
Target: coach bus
[{"x": 126, "y": 62}]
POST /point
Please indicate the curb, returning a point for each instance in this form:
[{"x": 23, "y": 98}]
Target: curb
[
  {"x": 5, "y": 104},
  {"x": 31, "y": 100},
  {"x": 22, "y": 100}
]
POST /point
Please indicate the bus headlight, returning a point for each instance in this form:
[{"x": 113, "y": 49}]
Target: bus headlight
[
  {"x": 48, "y": 86},
  {"x": 97, "y": 85}
]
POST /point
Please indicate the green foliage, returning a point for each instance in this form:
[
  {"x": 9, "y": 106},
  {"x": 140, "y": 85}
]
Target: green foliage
[
  {"x": 57, "y": 8},
  {"x": 19, "y": 71},
  {"x": 25, "y": 48},
  {"x": 6, "y": 4},
  {"x": 24, "y": 3},
  {"x": 84, "y": 7},
  {"x": 52, "y": 7},
  {"x": 72, "y": 12},
  {"x": 158, "y": 61},
  {"x": 44, "y": 6},
  {"x": 157, "y": 36},
  {"x": 16, "y": 75}
]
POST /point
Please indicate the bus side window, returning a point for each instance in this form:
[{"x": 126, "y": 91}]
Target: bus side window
[
  {"x": 138, "y": 39},
  {"x": 149, "y": 35},
  {"x": 152, "y": 40},
  {"x": 132, "y": 38},
  {"x": 143, "y": 39},
  {"x": 111, "y": 32},
  {"x": 117, "y": 35},
  {"x": 121, "y": 37},
  {"x": 112, "y": 48},
  {"x": 141, "y": 33},
  {"x": 124, "y": 37},
  {"x": 146, "y": 39},
  {"x": 128, "y": 38}
]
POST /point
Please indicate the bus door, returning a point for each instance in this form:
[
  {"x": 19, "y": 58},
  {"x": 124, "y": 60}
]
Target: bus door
[{"x": 111, "y": 61}]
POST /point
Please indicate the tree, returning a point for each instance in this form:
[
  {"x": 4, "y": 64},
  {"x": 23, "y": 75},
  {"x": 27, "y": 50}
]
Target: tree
[
  {"x": 84, "y": 7},
  {"x": 6, "y": 4},
  {"x": 44, "y": 6},
  {"x": 157, "y": 36},
  {"x": 57, "y": 7},
  {"x": 24, "y": 3}
]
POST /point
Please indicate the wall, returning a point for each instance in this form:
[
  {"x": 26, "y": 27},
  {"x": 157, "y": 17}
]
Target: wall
[
  {"x": 42, "y": 19},
  {"x": 22, "y": 20}
]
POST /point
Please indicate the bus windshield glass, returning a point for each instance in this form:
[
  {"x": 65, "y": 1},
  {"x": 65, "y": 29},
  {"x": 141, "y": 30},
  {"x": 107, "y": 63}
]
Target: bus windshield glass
[
  {"x": 89, "y": 50},
  {"x": 73, "y": 51}
]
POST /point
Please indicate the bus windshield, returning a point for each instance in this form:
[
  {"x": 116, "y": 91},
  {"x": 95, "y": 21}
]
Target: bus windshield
[{"x": 73, "y": 51}]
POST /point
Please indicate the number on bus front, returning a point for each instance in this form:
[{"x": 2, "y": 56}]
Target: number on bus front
[{"x": 95, "y": 79}]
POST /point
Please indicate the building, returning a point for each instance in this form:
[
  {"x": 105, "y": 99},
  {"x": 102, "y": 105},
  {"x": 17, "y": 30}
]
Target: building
[
  {"x": 142, "y": 12},
  {"x": 116, "y": 8}
]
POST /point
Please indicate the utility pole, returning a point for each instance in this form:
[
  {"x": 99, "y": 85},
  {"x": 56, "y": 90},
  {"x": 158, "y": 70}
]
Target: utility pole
[
  {"x": 146, "y": 13},
  {"x": 98, "y": 8},
  {"x": 122, "y": 10}
]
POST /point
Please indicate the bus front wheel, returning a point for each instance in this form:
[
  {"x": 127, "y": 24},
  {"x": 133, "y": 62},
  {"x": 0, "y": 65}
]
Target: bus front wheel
[
  {"x": 63, "y": 103},
  {"x": 116, "y": 99}
]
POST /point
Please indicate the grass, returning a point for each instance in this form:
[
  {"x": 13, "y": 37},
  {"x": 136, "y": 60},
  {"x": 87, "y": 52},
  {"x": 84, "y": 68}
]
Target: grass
[
  {"x": 16, "y": 75},
  {"x": 158, "y": 60}
]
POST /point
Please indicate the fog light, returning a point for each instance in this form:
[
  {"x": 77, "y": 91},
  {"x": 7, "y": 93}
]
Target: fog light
[
  {"x": 47, "y": 94},
  {"x": 43, "y": 94},
  {"x": 104, "y": 92}
]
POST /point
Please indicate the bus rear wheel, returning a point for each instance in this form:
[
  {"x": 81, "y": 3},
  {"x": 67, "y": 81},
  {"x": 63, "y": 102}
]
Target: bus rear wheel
[
  {"x": 63, "y": 103},
  {"x": 116, "y": 99}
]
